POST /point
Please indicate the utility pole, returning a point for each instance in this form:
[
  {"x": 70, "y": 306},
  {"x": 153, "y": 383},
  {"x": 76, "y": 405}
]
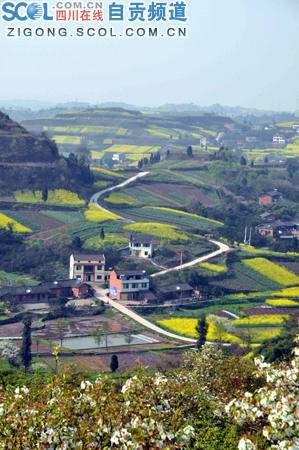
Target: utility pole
[
  {"x": 181, "y": 258},
  {"x": 247, "y": 241}
]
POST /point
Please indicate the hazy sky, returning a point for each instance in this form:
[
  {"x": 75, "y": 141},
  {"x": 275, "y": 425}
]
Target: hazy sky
[{"x": 238, "y": 52}]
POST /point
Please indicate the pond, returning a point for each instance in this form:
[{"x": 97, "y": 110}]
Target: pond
[{"x": 115, "y": 340}]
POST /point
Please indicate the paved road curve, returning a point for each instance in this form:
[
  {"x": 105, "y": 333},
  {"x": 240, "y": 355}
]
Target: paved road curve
[
  {"x": 94, "y": 199},
  {"x": 222, "y": 248},
  {"x": 102, "y": 295}
]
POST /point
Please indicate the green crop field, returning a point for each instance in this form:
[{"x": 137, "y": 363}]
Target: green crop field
[
  {"x": 257, "y": 277},
  {"x": 175, "y": 217},
  {"x": 65, "y": 217},
  {"x": 23, "y": 220}
]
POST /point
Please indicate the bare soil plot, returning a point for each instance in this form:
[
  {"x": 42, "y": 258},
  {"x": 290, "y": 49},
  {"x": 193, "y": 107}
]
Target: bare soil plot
[
  {"x": 185, "y": 191},
  {"x": 77, "y": 326},
  {"x": 152, "y": 360},
  {"x": 14, "y": 329},
  {"x": 91, "y": 363},
  {"x": 46, "y": 222},
  {"x": 291, "y": 266}
]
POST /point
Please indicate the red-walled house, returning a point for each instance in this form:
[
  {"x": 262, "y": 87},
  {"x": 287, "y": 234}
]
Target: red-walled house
[
  {"x": 270, "y": 197},
  {"x": 127, "y": 284}
]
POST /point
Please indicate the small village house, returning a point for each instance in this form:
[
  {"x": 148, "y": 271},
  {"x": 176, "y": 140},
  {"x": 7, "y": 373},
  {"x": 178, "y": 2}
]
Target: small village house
[
  {"x": 88, "y": 268},
  {"x": 44, "y": 291},
  {"x": 270, "y": 197},
  {"x": 127, "y": 284}
]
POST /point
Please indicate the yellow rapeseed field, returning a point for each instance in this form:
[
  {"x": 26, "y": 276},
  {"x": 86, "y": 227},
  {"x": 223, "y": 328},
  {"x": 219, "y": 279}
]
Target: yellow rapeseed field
[
  {"x": 95, "y": 214},
  {"x": 5, "y": 220},
  {"x": 270, "y": 320},
  {"x": 183, "y": 213},
  {"x": 110, "y": 239},
  {"x": 157, "y": 229},
  {"x": 272, "y": 271},
  {"x": 292, "y": 292},
  {"x": 56, "y": 196},
  {"x": 186, "y": 327},
  {"x": 213, "y": 267},
  {"x": 281, "y": 302},
  {"x": 107, "y": 172},
  {"x": 118, "y": 198}
]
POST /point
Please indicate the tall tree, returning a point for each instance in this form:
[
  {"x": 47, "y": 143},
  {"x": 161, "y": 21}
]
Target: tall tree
[
  {"x": 61, "y": 326},
  {"x": 243, "y": 161},
  {"x": 129, "y": 340},
  {"x": 102, "y": 234},
  {"x": 189, "y": 151},
  {"x": 140, "y": 164},
  {"x": 77, "y": 243},
  {"x": 114, "y": 363},
  {"x": 25, "y": 351},
  {"x": 252, "y": 164},
  {"x": 202, "y": 330},
  {"x": 97, "y": 336},
  {"x": 45, "y": 194},
  {"x": 157, "y": 157},
  {"x": 152, "y": 160},
  {"x": 105, "y": 333}
]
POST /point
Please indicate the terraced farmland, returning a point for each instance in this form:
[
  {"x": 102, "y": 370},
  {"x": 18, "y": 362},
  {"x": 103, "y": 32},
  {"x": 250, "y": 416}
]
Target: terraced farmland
[
  {"x": 172, "y": 216},
  {"x": 65, "y": 217},
  {"x": 25, "y": 221},
  {"x": 47, "y": 223}
]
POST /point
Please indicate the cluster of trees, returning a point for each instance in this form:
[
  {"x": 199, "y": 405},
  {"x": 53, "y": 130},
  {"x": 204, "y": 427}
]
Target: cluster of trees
[
  {"x": 154, "y": 158},
  {"x": 41, "y": 260}
]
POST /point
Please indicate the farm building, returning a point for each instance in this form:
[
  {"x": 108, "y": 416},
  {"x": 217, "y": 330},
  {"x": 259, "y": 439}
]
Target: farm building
[
  {"x": 267, "y": 216},
  {"x": 270, "y": 197},
  {"x": 88, "y": 268},
  {"x": 279, "y": 229},
  {"x": 141, "y": 246},
  {"x": 177, "y": 291},
  {"x": 127, "y": 284},
  {"x": 44, "y": 291}
]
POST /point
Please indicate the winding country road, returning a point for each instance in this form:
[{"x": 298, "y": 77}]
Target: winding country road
[
  {"x": 94, "y": 199},
  {"x": 102, "y": 293}
]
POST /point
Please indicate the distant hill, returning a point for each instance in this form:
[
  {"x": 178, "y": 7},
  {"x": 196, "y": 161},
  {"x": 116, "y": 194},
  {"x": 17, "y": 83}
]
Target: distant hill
[
  {"x": 30, "y": 161},
  {"x": 18, "y": 145},
  {"x": 119, "y": 130}
]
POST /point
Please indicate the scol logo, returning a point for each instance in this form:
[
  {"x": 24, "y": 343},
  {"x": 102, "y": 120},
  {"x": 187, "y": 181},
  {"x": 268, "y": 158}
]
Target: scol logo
[{"x": 25, "y": 11}]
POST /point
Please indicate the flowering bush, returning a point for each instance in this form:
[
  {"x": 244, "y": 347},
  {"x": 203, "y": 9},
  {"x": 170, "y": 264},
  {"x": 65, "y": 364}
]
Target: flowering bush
[
  {"x": 148, "y": 412},
  {"x": 273, "y": 408}
]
